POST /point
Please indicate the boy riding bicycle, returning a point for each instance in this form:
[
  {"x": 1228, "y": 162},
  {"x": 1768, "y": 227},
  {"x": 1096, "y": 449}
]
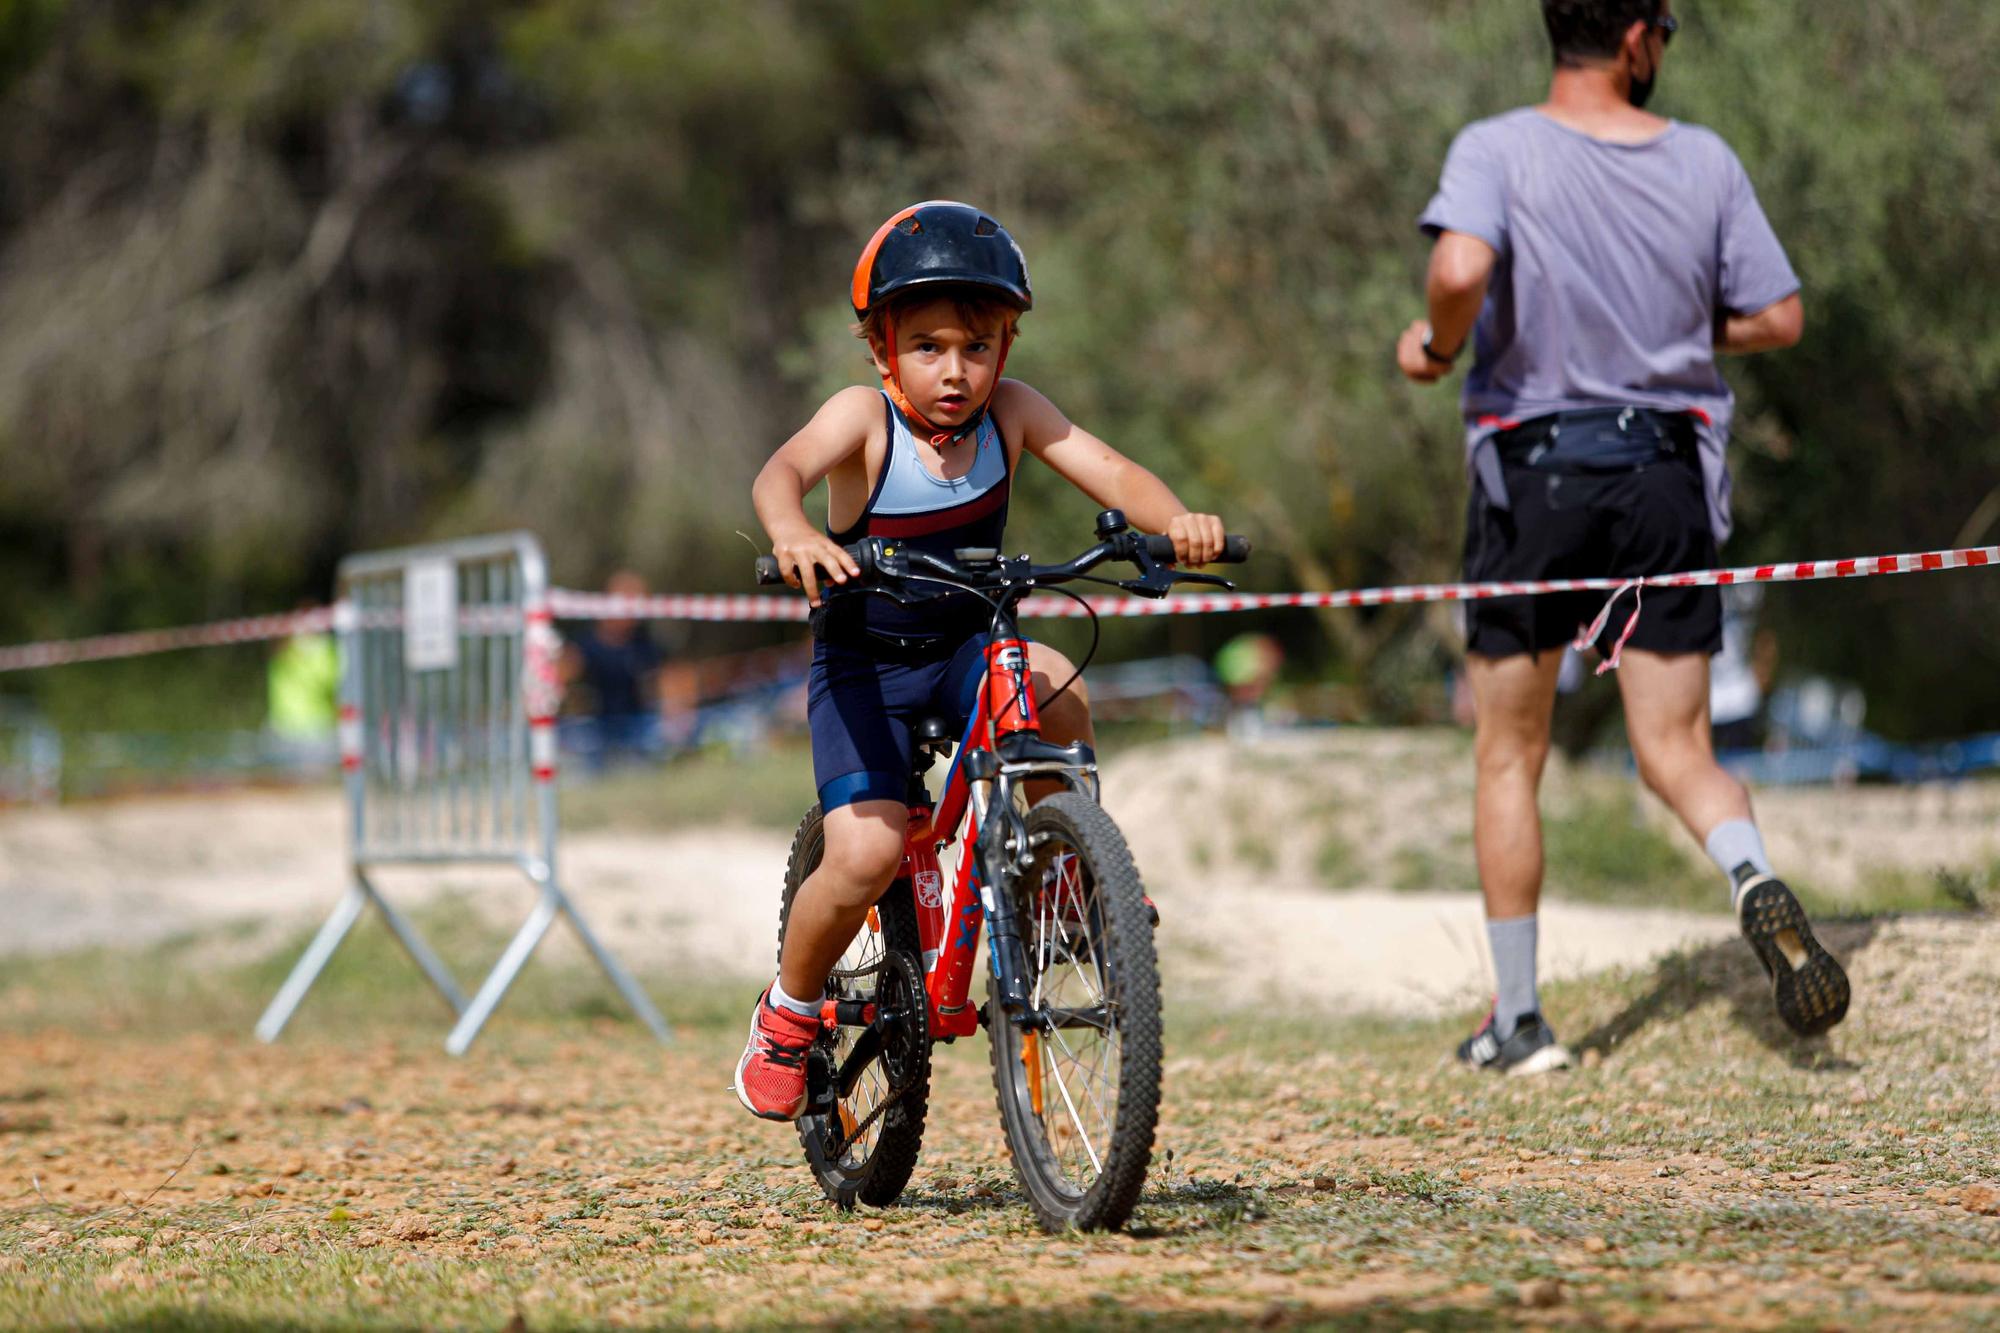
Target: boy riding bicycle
[{"x": 928, "y": 458}]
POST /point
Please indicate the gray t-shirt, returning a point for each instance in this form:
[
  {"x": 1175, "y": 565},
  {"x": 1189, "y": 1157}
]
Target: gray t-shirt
[{"x": 1615, "y": 260}]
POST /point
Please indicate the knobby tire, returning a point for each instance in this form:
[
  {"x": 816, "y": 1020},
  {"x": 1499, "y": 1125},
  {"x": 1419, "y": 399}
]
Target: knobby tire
[{"x": 881, "y": 1176}]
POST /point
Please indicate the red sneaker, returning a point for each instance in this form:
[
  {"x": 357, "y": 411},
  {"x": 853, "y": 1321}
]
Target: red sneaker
[{"x": 771, "y": 1076}]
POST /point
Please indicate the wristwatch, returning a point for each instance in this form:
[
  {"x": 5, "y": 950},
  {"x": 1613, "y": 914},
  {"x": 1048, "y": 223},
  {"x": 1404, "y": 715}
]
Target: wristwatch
[{"x": 1434, "y": 356}]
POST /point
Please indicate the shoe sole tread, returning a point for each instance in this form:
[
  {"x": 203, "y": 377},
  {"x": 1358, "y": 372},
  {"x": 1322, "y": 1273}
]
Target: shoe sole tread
[{"x": 1812, "y": 993}]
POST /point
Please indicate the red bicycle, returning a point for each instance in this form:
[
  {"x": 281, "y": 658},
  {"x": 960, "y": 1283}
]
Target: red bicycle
[{"x": 1073, "y": 992}]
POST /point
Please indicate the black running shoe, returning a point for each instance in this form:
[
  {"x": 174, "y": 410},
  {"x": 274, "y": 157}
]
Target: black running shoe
[
  {"x": 1532, "y": 1049},
  {"x": 1810, "y": 988}
]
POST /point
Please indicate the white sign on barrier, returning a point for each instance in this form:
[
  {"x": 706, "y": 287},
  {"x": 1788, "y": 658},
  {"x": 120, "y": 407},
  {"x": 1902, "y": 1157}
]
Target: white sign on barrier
[{"x": 430, "y": 610}]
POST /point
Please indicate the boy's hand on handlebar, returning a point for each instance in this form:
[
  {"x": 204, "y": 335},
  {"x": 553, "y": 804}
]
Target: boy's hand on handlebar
[
  {"x": 1197, "y": 538},
  {"x": 803, "y": 555}
]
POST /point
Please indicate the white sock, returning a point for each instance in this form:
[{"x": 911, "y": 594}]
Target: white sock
[
  {"x": 1738, "y": 851},
  {"x": 1513, "y": 940},
  {"x": 809, "y": 1008}
]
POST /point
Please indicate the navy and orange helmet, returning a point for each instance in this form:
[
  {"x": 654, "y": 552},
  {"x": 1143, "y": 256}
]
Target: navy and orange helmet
[{"x": 943, "y": 244}]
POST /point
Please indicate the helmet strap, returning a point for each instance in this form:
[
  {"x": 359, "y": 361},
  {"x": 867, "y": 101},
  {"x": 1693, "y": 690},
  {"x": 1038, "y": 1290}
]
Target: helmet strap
[{"x": 940, "y": 435}]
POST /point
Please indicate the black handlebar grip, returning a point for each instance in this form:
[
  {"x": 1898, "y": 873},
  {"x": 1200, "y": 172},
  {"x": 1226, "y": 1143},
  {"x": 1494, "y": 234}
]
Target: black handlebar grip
[
  {"x": 1235, "y": 550},
  {"x": 768, "y": 571}
]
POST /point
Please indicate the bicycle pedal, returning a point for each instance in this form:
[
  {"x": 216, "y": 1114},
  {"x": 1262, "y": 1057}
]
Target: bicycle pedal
[{"x": 821, "y": 1096}]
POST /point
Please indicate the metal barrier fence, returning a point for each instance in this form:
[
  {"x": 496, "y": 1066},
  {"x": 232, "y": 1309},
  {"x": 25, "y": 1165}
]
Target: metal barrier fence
[{"x": 448, "y": 694}]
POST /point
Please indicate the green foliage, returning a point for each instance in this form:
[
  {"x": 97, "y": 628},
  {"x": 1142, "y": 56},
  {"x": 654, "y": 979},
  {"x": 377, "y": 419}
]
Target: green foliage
[
  {"x": 289, "y": 280},
  {"x": 768, "y": 788},
  {"x": 25, "y": 29},
  {"x": 1600, "y": 847}
]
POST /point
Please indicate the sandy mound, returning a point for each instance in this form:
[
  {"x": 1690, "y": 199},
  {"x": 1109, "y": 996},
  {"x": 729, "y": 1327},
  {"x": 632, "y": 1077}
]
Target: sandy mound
[{"x": 1236, "y": 843}]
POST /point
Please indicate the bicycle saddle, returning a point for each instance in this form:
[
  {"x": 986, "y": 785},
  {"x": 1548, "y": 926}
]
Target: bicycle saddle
[{"x": 935, "y": 735}]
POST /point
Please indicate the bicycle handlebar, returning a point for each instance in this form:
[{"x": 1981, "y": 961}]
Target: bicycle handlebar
[{"x": 1147, "y": 551}]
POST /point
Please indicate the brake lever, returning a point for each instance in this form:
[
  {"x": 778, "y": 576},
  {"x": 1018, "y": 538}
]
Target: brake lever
[{"x": 1159, "y": 581}]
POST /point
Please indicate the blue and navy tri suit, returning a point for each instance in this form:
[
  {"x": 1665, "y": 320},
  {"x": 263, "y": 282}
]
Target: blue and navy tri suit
[{"x": 878, "y": 667}]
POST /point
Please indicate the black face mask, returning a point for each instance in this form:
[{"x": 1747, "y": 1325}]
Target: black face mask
[{"x": 1641, "y": 90}]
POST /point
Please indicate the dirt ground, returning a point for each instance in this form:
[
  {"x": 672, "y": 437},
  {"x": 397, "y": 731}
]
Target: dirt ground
[
  {"x": 1319, "y": 1164},
  {"x": 1701, "y": 1170}
]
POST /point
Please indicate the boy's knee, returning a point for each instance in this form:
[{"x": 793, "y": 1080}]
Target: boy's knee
[
  {"x": 1073, "y": 704},
  {"x": 862, "y": 858}
]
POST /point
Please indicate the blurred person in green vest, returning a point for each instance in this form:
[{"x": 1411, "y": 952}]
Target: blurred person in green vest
[
  {"x": 1247, "y": 667},
  {"x": 301, "y": 692}
]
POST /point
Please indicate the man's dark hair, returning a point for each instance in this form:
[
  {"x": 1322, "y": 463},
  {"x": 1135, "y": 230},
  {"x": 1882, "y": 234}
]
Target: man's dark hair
[{"x": 1592, "y": 29}]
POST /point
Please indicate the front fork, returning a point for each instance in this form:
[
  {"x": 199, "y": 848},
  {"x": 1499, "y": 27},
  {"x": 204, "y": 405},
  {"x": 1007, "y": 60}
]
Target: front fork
[{"x": 1001, "y": 870}]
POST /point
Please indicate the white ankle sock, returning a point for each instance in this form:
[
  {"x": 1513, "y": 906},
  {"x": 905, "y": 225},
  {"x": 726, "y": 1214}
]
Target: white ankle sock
[{"x": 809, "y": 1008}]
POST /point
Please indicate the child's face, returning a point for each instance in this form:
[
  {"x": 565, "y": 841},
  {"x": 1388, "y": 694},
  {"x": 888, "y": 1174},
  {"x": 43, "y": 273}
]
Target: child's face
[{"x": 946, "y": 366}]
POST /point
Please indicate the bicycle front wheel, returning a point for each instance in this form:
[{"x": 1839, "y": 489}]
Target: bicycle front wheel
[{"x": 1079, "y": 1090}]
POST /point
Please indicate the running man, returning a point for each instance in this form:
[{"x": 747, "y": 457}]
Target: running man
[{"x": 1597, "y": 258}]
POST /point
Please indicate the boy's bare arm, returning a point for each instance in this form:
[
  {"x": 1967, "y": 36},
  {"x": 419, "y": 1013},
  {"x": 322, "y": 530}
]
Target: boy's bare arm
[
  {"x": 1108, "y": 477},
  {"x": 837, "y": 433}
]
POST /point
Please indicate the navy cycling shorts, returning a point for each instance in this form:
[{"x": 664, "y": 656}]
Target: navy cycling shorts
[{"x": 862, "y": 711}]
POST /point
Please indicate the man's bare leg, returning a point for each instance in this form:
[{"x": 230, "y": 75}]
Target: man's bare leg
[
  {"x": 1666, "y": 716},
  {"x": 1513, "y": 700}
]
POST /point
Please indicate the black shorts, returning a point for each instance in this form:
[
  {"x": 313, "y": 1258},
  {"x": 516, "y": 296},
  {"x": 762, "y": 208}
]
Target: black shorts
[{"x": 1653, "y": 520}]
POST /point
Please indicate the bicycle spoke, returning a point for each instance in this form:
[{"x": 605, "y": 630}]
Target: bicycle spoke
[
  {"x": 1075, "y": 1120},
  {"x": 1090, "y": 1082},
  {"x": 1067, "y": 956}
]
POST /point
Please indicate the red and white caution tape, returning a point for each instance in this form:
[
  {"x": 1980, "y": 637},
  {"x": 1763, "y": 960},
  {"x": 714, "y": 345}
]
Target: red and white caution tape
[
  {"x": 775, "y": 607},
  {"x": 62, "y": 652},
  {"x": 788, "y": 607}
]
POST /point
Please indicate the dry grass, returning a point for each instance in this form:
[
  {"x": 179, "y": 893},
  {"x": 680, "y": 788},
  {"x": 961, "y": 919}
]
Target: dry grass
[{"x": 1702, "y": 1169}]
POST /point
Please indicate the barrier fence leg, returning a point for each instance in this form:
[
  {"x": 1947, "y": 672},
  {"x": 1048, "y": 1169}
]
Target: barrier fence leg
[
  {"x": 307, "y": 969},
  {"x": 641, "y": 1003},
  {"x": 502, "y": 976},
  {"x": 414, "y": 945}
]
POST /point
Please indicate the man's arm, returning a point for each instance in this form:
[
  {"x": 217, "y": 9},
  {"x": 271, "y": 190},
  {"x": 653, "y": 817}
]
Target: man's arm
[
  {"x": 1777, "y": 326},
  {"x": 1461, "y": 266}
]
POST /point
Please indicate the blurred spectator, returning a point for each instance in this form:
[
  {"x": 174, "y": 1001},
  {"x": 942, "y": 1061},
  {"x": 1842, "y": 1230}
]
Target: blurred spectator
[
  {"x": 1248, "y": 665},
  {"x": 1740, "y": 674},
  {"x": 620, "y": 667},
  {"x": 302, "y": 699}
]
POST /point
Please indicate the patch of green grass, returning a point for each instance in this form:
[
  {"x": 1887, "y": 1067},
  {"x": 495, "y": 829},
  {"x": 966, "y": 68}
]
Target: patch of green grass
[
  {"x": 1890, "y": 888},
  {"x": 768, "y": 787},
  {"x": 1600, "y": 848},
  {"x": 1418, "y": 870},
  {"x": 1336, "y": 861},
  {"x": 1254, "y": 852}
]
